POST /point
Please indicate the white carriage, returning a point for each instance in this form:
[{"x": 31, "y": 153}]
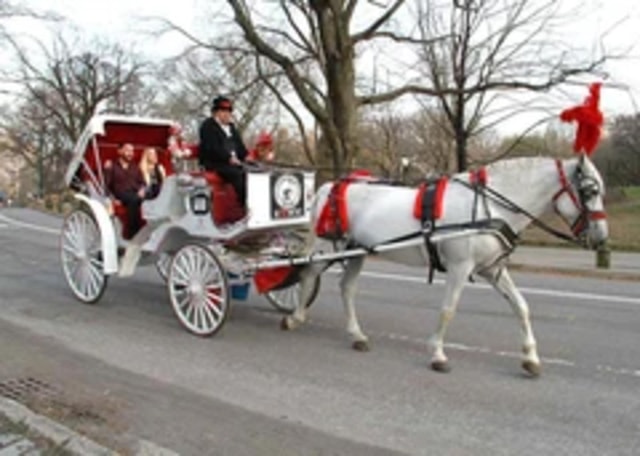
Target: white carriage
[{"x": 189, "y": 232}]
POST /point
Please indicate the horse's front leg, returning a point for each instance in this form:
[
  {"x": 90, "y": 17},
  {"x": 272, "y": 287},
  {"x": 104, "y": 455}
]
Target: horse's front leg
[
  {"x": 503, "y": 283},
  {"x": 348, "y": 286},
  {"x": 456, "y": 277},
  {"x": 307, "y": 282}
]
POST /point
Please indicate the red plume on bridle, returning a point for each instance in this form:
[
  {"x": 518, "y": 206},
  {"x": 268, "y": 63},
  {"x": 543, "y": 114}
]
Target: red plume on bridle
[{"x": 589, "y": 120}]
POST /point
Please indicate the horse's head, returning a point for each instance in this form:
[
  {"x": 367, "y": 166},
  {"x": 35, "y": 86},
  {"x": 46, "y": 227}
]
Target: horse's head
[{"x": 580, "y": 202}]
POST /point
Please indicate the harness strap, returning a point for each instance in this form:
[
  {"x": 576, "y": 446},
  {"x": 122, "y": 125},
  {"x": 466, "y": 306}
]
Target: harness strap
[
  {"x": 498, "y": 198},
  {"x": 565, "y": 187}
]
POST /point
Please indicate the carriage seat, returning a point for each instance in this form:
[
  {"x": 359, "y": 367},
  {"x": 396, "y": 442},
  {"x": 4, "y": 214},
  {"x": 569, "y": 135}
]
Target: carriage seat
[{"x": 225, "y": 206}]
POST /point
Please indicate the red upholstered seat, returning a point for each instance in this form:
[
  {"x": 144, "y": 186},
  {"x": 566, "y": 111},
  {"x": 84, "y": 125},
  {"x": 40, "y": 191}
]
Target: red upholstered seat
[{"x": 226, "y": 208}]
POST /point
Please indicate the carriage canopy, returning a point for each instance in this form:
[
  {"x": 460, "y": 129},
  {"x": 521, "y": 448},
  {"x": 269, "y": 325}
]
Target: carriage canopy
[{"x": 102, "y": 137}]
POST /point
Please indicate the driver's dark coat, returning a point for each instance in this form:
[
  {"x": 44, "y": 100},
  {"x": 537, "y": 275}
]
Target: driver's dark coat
[{"x": 215, "y": 146}]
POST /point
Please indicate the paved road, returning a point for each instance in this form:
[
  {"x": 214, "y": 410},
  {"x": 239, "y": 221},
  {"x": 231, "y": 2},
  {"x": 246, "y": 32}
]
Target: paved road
[{"x": 255, "y": 390}]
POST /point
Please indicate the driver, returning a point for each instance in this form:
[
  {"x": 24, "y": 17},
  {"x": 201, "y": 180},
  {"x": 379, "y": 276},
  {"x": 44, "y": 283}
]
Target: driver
[{"x": 221, "y": 148}]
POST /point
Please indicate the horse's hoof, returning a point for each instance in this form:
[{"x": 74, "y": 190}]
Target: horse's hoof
[
  {"x": 284, "y": 324},
  {"x": 441, "y": 366},
  {"x": 360, "y": 345},
  {"x": 532, "y": 368}
]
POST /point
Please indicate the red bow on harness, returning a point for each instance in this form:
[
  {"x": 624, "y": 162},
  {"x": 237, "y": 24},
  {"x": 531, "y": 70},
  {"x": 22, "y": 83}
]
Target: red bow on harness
[{"x": 589, "y": 120}]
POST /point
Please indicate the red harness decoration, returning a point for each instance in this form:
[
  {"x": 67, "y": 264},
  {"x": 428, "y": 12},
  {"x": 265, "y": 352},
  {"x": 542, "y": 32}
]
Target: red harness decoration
[
  {"x": 478, "y": 177},
  {"x": 589, "y": 119},
  {"x": 437, "y": 206},
  {"x": 334, "y": 216}
]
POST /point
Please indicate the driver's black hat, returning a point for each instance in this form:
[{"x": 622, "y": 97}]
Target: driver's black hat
[{"x": 221, "y": 102}]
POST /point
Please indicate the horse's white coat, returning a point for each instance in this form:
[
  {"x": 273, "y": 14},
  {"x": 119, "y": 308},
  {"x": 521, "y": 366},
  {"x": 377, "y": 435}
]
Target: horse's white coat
[{"x": 378, "y": 213}]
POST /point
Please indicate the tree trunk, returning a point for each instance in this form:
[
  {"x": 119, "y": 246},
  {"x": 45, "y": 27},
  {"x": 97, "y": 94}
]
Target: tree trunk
[{"x": 341, "y": 129}]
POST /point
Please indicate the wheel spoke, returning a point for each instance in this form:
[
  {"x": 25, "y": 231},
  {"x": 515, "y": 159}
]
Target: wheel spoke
[
  {"x": 199, "y": 317},
  {"x": 214, "y": 295},
  {"x": 207, "y": 312},
  {"x": 214, "y": 307},
  {"x": 93, "y": 282},
  {"x": 72, "y": 239},
  {"x": 95, "y": 270},
  {"x": 189, "y": 307},
  {"x": 184, "y": 273}
]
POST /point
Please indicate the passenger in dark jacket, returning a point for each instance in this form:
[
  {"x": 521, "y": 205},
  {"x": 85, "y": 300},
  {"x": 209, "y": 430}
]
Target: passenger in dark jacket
[
  {"x": 221, "y": 148},
  {"x": 125, "y": 182}
]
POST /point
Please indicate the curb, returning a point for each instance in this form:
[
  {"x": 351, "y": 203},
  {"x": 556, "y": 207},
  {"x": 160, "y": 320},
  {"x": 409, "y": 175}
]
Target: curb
[
  {"x": 57, "y": 433},
  {"x": 69, "y": 439}
]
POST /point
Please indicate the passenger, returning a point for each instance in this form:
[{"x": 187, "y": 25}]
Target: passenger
[
  {"x": 153, "y": 172},
  {"x": 125, "y": 183},
  {"x": 263, "y": 150},
  {"x": 221, "y": 148}
]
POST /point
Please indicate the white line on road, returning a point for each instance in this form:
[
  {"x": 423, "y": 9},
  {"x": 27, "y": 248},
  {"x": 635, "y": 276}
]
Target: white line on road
[
  {"x": 533, "y": 291},
  {"x": 625, "y": 371},
  {"x": 4, "y": 225},
  {"x": 30, "y": 226},
  {"x": 417, "y": 279}
]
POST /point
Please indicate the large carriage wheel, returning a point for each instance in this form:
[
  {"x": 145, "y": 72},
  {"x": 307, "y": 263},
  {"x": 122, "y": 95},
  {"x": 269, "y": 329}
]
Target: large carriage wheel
[
  {"x": 286, "y": 299},
  {"x": 162, "y": 265},
  {"x": 198, "y": 290},
  {"x": 81, "y": 256}
]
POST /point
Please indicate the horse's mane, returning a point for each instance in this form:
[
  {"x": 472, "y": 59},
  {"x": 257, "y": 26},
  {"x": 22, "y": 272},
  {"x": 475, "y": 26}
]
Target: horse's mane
[
  {"x": 517, "y": 163},
  {"x": 517, "y": 174}
]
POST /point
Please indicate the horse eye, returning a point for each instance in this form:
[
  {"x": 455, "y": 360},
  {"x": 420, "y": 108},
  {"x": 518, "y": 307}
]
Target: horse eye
[{"x": 589, "y": 191}]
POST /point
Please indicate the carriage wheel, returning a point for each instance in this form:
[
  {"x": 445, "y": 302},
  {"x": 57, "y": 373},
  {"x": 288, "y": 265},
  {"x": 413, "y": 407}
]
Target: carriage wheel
[
  {"x": 198, "y": 290},
  {"x": 81, "y": 256},
  {"x": 162, "y": 265},
  {"x": 286, "y": 299}
]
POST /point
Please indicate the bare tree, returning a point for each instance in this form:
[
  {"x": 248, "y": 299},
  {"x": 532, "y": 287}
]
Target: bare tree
[
  {"x": 58, "y": 90},
  {"x": 495, "y": 47},
  {"x": 315, "y": 47},
  {"x": 619, "y": 154},
  {"x": 190, "y": 81}
]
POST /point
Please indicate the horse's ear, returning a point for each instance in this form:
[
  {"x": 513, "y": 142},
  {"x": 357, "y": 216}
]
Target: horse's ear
[{"x": 581, "y": 159}]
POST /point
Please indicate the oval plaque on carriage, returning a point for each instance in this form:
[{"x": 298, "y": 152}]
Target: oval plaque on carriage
[{"x": 287, "y": 195}]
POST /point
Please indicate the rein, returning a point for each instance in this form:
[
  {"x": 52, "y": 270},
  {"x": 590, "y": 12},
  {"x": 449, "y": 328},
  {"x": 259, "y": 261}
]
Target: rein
[{"x": 505, "y": 202}]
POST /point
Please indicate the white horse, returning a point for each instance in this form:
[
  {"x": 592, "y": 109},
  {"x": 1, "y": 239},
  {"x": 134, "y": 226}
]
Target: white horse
[{"x": 516, "y": 193}]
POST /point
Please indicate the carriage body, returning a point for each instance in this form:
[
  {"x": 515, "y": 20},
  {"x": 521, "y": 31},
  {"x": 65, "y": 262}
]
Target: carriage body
[{"x": 191, "y": 229}]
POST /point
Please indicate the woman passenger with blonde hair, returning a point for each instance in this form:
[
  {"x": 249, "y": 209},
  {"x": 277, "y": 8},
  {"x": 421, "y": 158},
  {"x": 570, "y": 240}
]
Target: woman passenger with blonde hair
[{"x": 152, "y": 172}]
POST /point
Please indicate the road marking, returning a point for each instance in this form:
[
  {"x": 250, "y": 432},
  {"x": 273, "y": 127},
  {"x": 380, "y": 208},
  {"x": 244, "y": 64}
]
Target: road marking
[
  {"x": 4, "y": 225},
  {"x": 629, "y": 372},
  {"x": 417, "y": 279},
  {"x": 30, "y": 226},
  {"x": 526, "y": 290}
]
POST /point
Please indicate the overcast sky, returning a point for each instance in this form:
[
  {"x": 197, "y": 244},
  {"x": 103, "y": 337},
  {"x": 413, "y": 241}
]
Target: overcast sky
[{"x": 119, "y": 18}]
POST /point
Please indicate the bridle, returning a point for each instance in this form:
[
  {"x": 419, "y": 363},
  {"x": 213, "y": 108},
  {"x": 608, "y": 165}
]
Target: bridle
[{"x": 587, "y": 189}]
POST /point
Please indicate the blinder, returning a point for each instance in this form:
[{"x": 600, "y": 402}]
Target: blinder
[{"x": 587, "y": 188}]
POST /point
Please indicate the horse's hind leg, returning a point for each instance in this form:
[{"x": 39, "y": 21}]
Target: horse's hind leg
[
  {"x": 348, "y": 283},
  {"x": 456, "y": 278},
  {"x": 504, "y": 284},
  {"x": 307, "y": 282}
]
